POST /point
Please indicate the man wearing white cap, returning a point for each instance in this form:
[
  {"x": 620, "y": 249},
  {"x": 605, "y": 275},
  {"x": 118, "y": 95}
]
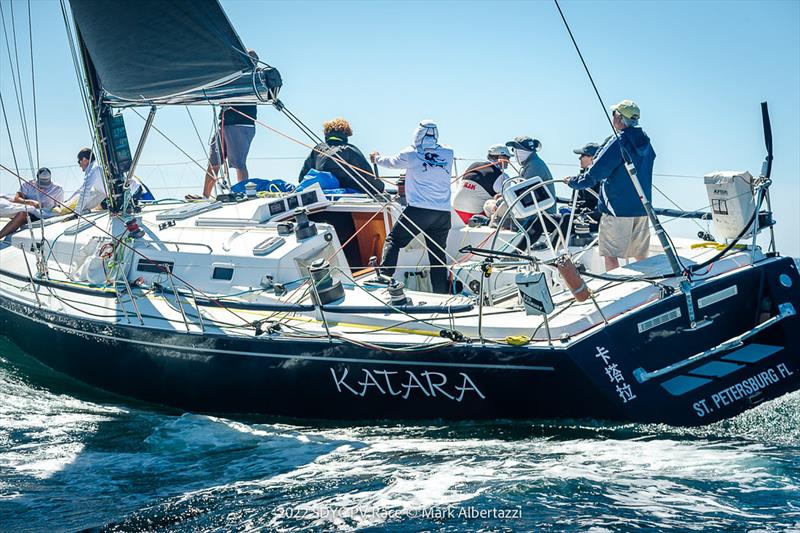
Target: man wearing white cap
[
  {"x": 37, "y": 198},
  {"x": 624, "y": 227},
  {"x": 428, "y": 167},
  {"x": 481, "y": 182}
]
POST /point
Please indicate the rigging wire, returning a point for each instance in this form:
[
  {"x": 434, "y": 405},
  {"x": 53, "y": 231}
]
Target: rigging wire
[
  {"x": 8, "y": 130},
  {"x": 199, "y": 138},
  {"x": 181, "y": 150},
  {"x": 17, "y": 80},
  {"x": 33, "y": 86}
]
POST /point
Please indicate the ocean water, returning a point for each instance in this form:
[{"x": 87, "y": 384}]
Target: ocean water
[{"x": 73, "y": 458}]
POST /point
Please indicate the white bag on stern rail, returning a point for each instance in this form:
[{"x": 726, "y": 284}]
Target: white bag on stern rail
[{"x": 730, "y": 194}]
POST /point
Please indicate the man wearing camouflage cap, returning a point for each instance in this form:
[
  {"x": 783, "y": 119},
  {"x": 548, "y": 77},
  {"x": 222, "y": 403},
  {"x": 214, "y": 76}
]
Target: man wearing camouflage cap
[{"x": 624, "y": 226}]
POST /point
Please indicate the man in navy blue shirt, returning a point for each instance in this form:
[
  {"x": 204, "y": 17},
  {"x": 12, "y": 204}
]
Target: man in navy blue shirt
[{"x": 624, "y": 226}]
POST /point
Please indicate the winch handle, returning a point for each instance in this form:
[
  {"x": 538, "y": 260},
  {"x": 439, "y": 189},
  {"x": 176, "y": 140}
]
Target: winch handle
[{"x": 486, "y": 252}]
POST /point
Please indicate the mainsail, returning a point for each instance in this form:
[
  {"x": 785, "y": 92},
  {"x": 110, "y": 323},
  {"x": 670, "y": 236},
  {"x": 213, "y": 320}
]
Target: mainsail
[{"x": 151, "y": 52}]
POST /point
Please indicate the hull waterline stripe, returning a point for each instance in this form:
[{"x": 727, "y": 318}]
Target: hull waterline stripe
[{"x": 281, "y": 356}]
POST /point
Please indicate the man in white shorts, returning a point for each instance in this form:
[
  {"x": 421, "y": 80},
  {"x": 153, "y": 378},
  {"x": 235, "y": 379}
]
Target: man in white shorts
[{"x": 624, "y": 226}]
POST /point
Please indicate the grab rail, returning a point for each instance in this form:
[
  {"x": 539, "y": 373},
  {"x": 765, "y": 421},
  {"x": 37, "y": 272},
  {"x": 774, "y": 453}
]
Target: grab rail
[{"x": 785, "y": 311}]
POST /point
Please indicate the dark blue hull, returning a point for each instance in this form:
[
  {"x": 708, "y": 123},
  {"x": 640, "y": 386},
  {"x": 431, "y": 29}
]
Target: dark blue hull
[{"x": 620, "y": 372}]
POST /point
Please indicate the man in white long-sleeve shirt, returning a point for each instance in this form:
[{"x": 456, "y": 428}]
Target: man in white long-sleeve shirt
[
  {"x": 93, "y": 189},
  {"x": 428, "y": 168}
]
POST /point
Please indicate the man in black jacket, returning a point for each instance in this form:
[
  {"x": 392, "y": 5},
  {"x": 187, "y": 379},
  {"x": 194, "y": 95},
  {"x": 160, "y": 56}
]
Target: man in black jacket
[{"x": 342, "y": 159}]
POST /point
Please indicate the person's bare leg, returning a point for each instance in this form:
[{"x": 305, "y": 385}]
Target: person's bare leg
[
  {"x": 242, "y": 174},
  {"x": 641, "y": 257},
  {"x": 14, "y": 224},
  {"x": 611, "y": 263},
  {"x": 211, "y": 179}
]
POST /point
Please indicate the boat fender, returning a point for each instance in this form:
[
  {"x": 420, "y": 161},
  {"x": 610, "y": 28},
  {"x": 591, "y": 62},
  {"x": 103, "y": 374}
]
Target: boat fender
[{"x": 572, "y": 278}]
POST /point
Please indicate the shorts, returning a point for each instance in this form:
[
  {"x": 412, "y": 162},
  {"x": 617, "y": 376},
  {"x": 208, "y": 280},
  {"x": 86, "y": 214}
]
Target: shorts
[
  {"x": 624, "y": 236},
  {"x": 236, "y": 146}
]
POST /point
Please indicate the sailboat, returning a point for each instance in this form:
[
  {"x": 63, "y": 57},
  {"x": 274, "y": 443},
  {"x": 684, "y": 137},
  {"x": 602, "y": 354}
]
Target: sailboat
[{"x": 250, "y": 305}]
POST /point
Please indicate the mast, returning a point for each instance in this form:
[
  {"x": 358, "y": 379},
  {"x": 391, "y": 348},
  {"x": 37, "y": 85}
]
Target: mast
[{"x": 114, "y": 154}]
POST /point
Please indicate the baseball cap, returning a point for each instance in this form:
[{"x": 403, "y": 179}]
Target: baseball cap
[
  {"x": 499, "y": 150},
  {"x": 589, "y": 149},
  {"x": 628, "y": 109},
  {"x": 524, "y": 142}
]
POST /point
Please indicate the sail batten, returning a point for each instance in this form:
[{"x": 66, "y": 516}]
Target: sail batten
[{"x": 178, "y": 52}]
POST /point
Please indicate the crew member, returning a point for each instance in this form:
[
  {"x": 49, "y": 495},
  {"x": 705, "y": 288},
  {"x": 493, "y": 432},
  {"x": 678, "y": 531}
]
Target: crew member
[
  {"x": 41, "y": 194},
  {"x": 237, "y": 129},
  {"x": 342, "y": 159},
  {"x": 624, "y": 226},
  {"x": 428, "y": 167},
  {"x": 587, "y": 201},
  {"x": 532, "y": 165},
  {"x": 481, "y": 182},
  {"x": 92, "y": 191}
]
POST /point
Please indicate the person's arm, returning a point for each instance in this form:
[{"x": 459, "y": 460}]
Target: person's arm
[
  {"x": 19, "y": 198},
  {"x": 396, "y": 161},
  {"x": 358, "y": 160},
  {"x": 603, "y": 166}
]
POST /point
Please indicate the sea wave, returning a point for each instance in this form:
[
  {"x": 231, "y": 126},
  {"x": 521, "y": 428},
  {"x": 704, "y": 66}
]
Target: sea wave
[{"x": 75, "y": 460}]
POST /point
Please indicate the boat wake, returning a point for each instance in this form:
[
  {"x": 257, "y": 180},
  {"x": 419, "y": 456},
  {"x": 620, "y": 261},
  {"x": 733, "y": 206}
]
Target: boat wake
[{"x": 72, "y": 461}]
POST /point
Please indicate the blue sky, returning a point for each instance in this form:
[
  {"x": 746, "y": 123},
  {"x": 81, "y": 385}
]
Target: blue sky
[{"x": 486, "y": 72}]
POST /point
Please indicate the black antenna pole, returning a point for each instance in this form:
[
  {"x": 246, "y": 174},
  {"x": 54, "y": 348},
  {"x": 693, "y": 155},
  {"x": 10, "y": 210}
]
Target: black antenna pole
[{"x": 663, "y": 238}]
